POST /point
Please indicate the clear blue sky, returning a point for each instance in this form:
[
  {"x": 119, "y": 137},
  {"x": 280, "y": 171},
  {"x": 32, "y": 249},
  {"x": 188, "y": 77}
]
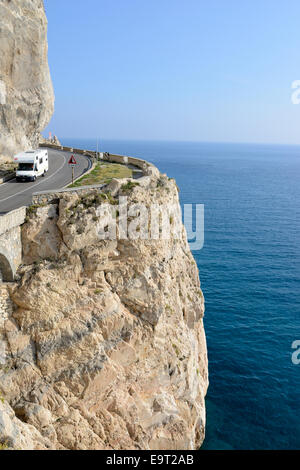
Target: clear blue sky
[{"x": 202, "y": 70}]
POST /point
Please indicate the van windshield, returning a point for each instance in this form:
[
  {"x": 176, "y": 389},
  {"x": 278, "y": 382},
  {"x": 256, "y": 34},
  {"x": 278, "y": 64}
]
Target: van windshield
[{"x": 25, "y": 167}]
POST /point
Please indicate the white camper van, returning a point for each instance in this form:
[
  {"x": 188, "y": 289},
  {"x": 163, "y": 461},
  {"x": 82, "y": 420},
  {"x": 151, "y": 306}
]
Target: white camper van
[{"x": 31, "y": 164}]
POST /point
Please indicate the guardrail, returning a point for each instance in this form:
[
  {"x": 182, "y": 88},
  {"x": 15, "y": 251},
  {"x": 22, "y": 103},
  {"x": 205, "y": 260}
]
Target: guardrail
[
  {"x": 12, "y": 219},
  {"x": 147, "y": 168},
  {"x": 46, "y": 197},
  {"x": 8, "y": 177}
]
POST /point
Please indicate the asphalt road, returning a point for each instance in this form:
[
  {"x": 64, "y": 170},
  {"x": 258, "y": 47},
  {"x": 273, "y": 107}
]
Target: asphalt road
[{"x": 14, "y": 195}]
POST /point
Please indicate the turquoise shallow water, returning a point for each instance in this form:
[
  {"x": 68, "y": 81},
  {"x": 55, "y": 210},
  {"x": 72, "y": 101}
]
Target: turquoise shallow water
[{"x": 250, "y": 274}]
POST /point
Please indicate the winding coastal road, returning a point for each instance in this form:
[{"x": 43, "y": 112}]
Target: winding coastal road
[{"x": 14, "y": 195}]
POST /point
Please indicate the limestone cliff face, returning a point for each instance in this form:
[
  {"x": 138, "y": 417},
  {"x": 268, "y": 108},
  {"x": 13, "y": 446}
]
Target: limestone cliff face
[
  {"x": 105, "y": 346},
  {"x": 26, "y": 92}
]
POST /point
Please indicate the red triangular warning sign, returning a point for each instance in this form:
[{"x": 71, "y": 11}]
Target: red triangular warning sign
[{"x": 72, "y": 161}]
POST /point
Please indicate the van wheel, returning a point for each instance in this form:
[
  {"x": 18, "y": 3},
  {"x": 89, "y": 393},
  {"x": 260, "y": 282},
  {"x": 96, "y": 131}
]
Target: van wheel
[{"x": 43, "y": 174}]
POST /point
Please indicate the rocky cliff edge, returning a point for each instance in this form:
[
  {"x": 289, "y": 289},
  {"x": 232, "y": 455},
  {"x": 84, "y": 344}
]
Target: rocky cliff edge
[{"x": 105, "y": 346}]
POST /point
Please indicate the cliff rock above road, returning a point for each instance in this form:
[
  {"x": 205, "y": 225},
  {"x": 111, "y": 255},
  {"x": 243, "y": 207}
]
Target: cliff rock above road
[
  {"x": 105, "y": 345},
  {"x": 26, "y": 92}
]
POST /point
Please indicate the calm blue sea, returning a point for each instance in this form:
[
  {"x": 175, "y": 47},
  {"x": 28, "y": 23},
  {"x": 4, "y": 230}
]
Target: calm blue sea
[{"x": 250, "y": 274}]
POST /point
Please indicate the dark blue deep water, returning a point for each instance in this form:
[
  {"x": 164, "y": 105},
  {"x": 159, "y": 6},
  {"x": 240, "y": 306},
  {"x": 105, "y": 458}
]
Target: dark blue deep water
[{"x": 250, "y": 275}]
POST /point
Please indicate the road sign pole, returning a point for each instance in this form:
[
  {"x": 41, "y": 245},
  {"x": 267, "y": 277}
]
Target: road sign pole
[{"x": 72, "y": 162}]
